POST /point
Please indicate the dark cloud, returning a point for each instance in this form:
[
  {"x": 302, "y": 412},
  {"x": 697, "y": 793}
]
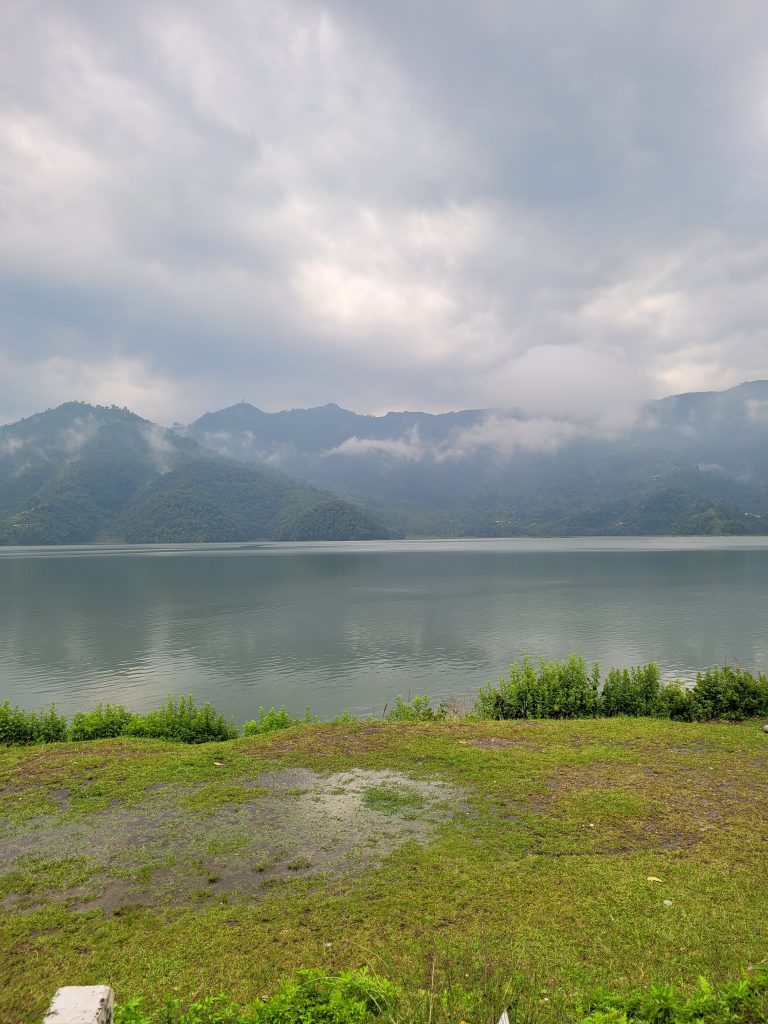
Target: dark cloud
[{"x": 559, "y": 207}]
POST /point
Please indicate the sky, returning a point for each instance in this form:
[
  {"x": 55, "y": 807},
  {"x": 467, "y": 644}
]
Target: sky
[{"x": 419, "y": 204}]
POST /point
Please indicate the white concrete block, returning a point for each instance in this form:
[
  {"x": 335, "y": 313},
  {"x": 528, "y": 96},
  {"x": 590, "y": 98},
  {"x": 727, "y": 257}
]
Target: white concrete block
[{"x": 82, "y": 1004}]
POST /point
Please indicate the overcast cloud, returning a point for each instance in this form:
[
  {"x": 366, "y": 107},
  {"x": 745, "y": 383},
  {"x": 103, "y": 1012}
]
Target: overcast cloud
[{"x": 557, "y": 206}]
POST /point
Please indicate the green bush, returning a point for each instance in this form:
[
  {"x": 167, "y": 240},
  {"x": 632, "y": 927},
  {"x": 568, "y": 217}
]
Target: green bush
[
  {"x": 553, "y": 689},
  {"x": 632, "y": 691},
  {"x": 104, "y": 722},
  {"x": 729, "y": 692},
  {"x": 273, "y": 720},
  {"x": 181, "y": 719},
  {"x": 19, "y": 727},
  {"x": 419, "y": 709},
  {"x": 352, "y": 997},
  {"x": 557, "y": 689},
  {"x": 359, "y": 997},
  {"x": 740, "y": 1002},
  {"x": 676, "y": 702},
  {"x": 564, "y": 689}
]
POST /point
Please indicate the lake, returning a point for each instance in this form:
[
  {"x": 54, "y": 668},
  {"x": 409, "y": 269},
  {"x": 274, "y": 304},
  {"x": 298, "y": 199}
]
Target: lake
[{"x": 350, "y": 625}]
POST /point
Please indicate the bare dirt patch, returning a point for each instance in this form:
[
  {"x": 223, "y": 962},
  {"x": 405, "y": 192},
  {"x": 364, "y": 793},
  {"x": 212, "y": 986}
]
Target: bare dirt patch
[
  {"x": 297, "y": 824},
  {"x": 497, "y": 743}
]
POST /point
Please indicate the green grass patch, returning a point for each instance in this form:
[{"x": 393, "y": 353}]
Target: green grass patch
[
  {"x": 516, "y": 901},
  {"x": 37, "y": 875},
  {"x": 389, "y": 800}
]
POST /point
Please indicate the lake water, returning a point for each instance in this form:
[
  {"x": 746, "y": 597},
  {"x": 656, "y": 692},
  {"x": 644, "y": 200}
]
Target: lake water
[{"x": 350, "y": 625}]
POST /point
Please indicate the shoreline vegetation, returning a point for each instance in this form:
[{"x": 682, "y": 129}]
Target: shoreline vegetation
[
  {"x": 556, "y": 689},
  {"x": 363, "y": 997}
]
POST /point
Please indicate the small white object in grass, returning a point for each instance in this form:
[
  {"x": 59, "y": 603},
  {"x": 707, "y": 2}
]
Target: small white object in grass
[
  {"x": 504, "y": 1018},
  {"x": 591, "y": 824},
  {"x": 765, "y": 728},
  {"x": 667, "y": 903},
  {"x": 81, "y": 1004}
]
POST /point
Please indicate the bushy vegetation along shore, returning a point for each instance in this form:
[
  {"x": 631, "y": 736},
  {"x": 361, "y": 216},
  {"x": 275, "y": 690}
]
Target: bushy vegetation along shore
[
  {"x": 360, "y": 997},
  {"x": 551, "y": 689}
]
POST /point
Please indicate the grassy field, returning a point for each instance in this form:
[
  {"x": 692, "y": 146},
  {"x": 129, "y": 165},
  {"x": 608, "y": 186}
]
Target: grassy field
[{"x": 531, "y": 862}]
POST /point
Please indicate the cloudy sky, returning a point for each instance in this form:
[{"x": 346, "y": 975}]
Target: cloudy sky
[{"x": 435, "y": 204}]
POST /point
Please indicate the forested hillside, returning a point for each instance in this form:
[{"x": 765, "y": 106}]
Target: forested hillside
[
  {"x": 81, "y": 473},
  {"x": 690, "y": 464}
]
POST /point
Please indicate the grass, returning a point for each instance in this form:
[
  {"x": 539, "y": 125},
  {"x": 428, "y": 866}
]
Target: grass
[
  {"x": 542, "y": 884},
  {"x": 388, "y": 800}
]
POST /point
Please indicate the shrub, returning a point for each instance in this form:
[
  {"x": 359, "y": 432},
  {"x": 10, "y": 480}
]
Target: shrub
[
  {"x": 676, "y": 702},
  {"x": 419, "y": 709},
  {"x": 273, "y": 720},
  {"x": 632, "y": 691},
  {"x": 730, "y": 693},
  {"x": 181, "y": 719},
  {"x": 103, "y": 722},
  {"x": 557, "y": 689},
  {"x": 19, "y": 727},
  {"x": 740, "y": 1002},
  {"x": 352, "y": 997}
]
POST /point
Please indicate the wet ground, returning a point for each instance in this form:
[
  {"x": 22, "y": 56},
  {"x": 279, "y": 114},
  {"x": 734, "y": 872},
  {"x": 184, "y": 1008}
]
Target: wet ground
[{"x": 174, "y": 847}]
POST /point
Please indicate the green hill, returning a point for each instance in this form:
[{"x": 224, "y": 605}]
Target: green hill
[
  {"x": 82, "y": 473},
  {"x": 690, "y": 464}
]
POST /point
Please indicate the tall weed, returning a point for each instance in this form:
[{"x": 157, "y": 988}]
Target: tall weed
[
  {"x": 274, "y": 720},
  {"x": 418, "y": 709},
  {"x": 20, "y": 728},
  {"x": 632, "y": 691},
  {"x": 556, "y": 689},
  {"x": 181, "y": 719},
  {"x": 104, "y": 722},
  {"x": 730, "y": 693},
  {"x": 564, "y": 689}
]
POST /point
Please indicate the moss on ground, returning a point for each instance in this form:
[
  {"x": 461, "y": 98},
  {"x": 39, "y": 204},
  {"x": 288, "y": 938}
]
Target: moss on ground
[{"x": 566, "y": 857}]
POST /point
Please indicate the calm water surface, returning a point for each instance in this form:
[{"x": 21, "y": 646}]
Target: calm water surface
[{"x": 350, "y": 625}]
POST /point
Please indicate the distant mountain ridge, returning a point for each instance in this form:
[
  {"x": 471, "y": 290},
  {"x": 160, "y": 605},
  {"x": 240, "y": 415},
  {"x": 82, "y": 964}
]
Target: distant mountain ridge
[
  {"x": 81, "y": 473},
  {"x": 693, "y": 463}
]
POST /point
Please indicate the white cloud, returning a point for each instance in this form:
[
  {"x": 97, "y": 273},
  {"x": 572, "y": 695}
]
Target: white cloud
[
  {"x": 160, "y": 447},
  {"x": 556, "y": 209},
  {"x": 78, "y": 434},
  {"x": 408, "y": 448},
  {"x": 503, "y": 434},
  {"x": 757, "y": 411},
  {"x": 507, "y": 435},
  {"x": 10, "y": 445}
]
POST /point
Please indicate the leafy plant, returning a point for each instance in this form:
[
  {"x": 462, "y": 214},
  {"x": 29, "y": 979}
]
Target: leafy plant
[
  {"x": 313, "y": 997},
  {"x": 418, "y": 709},
  {"x": 181, "y": 719},
  {"x": 564, "y": 689},
  {"x": 273, "y": 720},
  {"x": 740, "y": 1002},
  {"x": 105, "y": 721},
  {"x": 19, "y": 727},
  {"x": 632, "y": 691},
  {"x": 556, "y": 689},
  {"x": 729, "y": 692}
]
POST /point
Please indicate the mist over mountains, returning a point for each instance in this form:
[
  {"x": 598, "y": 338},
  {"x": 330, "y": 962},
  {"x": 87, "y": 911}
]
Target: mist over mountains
[
  {"x": 83, "y": 473},
  {"x": 694, "y": 463},
  {"x": 691, "y": 464}
]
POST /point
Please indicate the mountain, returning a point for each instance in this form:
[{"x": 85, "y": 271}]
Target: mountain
[
  {"x": 695, "y": 463},
  {"x": 81, "y": 473}
]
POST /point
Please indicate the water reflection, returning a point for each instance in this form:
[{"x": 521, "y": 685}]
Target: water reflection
[{"x": 340, "y": 626}]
